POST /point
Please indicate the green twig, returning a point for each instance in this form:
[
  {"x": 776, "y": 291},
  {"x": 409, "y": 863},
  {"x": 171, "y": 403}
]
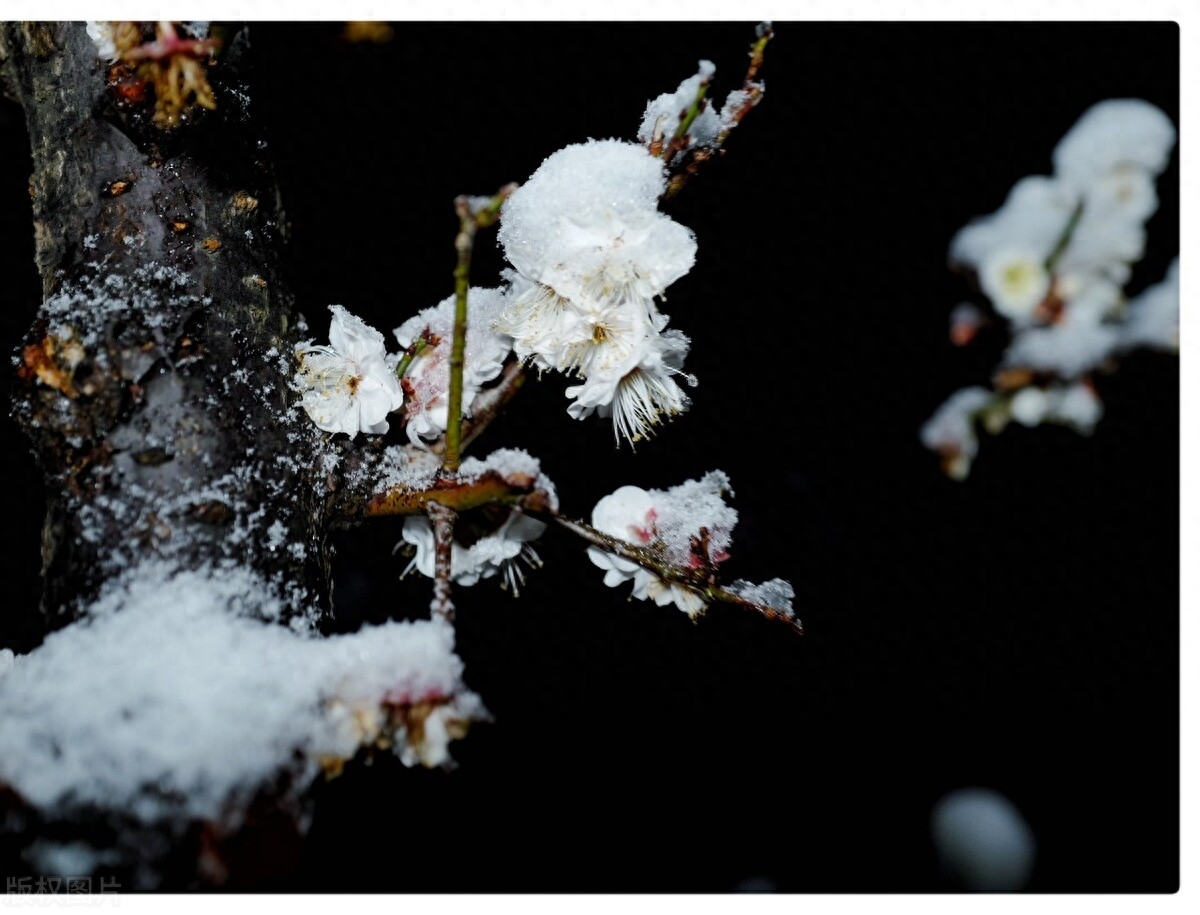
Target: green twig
[
  {"x": 473, "y": 214},
  {"x": 1060, "y": 246}
]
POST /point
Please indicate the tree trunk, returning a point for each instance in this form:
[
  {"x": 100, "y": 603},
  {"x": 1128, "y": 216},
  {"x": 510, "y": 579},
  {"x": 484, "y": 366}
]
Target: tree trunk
[{"x": 153, "y": 384}]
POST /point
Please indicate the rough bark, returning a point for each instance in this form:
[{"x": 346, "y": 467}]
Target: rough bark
[{"x": 153, "y": 384}]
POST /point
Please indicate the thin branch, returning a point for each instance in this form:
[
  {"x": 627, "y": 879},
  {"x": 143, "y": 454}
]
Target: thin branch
[
  {"x": 487, "y": 489},
  {"x": 693, "y": 580},
  {"x": 442, "y": 518},
  {"x": 752, "y": 93}
]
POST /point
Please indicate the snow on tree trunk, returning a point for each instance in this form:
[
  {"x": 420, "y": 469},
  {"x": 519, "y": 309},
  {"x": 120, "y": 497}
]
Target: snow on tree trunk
[{"x": 155, "y": 390}]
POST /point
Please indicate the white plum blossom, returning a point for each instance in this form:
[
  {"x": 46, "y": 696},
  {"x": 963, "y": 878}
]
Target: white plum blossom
[
  {"x": 1016, "y": 281},
  {"x": 348, "y": 386},
  {"x": 690, "y": 526},
  {"x": 951, "y": 430},
  {"x": 591, "y": 252},
  {"x": 1053, "y": 260},
  {"x": 427, "y": 378},
  {"x": 498, "y": 545},
  {"x": 499, "y": 552},
  {"x": 1112, "y": 134},
  {"x": 1152, "y": 319}
]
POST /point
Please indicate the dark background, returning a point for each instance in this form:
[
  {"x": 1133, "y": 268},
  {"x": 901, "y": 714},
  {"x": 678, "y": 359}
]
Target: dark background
[{"x": 1018, "y": 631}]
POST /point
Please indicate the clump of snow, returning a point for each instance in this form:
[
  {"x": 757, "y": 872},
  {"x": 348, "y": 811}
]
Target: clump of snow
[
  {"x": 7, "y": 660},
  {"x": 512, "y": 464},
  {"x": 101, "y": 34},
  {"x": 777, "y": 593},
  {"x": 170, "y": 702}
]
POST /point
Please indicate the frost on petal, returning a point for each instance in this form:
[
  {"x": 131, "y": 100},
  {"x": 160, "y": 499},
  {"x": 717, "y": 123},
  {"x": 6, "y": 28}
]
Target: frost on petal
[
  {"x": 690, "y": 526},
  {"x": 1112, "y": 134}
]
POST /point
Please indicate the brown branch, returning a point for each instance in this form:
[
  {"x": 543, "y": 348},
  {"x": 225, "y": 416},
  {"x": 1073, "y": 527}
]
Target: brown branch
[
  {"x": 692, "y": 579},
  {"x": 753, "y": 90},
  {"x": 442, "y": 518}
]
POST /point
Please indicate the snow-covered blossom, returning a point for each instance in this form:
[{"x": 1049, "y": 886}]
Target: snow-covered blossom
[
  {"x": 587, "y": 224},
  {"x": 1053, "y": 260},
  {"x": 690, "y": 526},
  {"x": 348, "y": 386},
  {"x": 591, "y": 252},
  {"x": 663, "y": 115},
  {"x": 427, "y": 379}
]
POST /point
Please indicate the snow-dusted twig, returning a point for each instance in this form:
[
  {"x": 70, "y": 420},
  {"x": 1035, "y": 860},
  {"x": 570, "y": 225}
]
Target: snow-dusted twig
[
  {"x": 699, "y": 581},
  {"x": 736, "y": 107}
]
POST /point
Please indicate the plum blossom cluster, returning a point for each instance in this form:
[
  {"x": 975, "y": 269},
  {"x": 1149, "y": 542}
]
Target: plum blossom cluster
[
  {"x": 1053, "y": 263},
  {"x": 591, "y": 256}
]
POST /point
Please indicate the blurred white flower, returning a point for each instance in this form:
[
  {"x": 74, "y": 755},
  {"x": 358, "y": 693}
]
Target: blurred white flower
[
  {"x": 951, "y": 430},
  {"x": 348, "y": 386},
  {"x": 1111, "y": 134},
  {"x": 1015, "y": 280}
]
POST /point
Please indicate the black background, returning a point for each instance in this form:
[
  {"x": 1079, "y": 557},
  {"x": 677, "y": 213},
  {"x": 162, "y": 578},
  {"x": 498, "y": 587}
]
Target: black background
[{"x": 1018, "y": 631}]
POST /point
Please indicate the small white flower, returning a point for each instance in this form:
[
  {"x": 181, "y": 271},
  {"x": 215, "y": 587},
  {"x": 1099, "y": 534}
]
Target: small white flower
[
  {"x": 428, "y": 376},
  {"x": 499, "y": 552},
  {"x": 1015, "y": 280},
  {"x": 638, "y": 396},
  {"x": 348, "y": 385}
]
